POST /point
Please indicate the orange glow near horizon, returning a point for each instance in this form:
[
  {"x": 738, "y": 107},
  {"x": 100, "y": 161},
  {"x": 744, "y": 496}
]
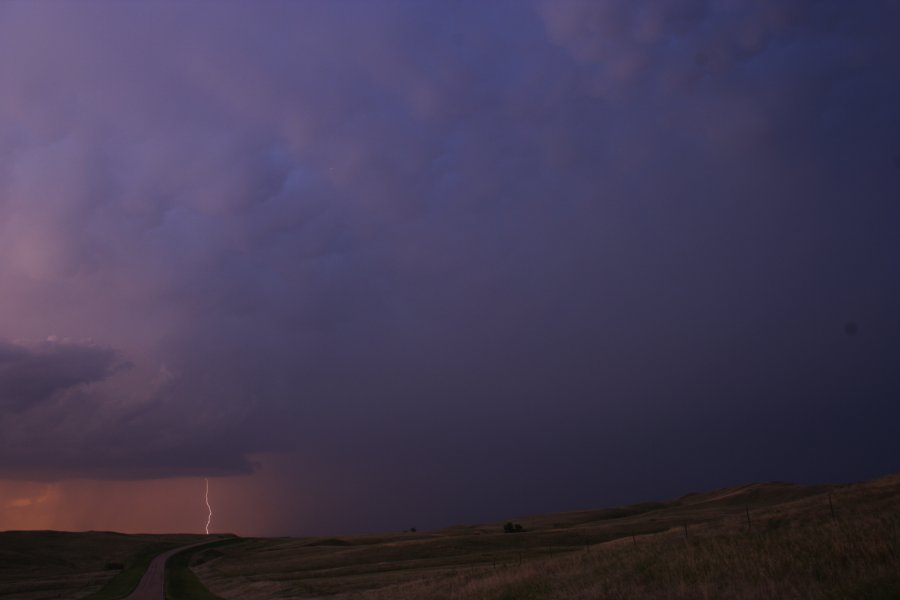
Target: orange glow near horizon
[{"x": 176, "y": 505}]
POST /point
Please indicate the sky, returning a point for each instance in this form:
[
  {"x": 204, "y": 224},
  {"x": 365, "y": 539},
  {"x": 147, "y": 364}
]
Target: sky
[{"x": 372, "y": 265}]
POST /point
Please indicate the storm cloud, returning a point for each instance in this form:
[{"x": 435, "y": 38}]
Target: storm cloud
[
  {"x": 29, "y": 376},
  {"x": 466, "y": 243}
]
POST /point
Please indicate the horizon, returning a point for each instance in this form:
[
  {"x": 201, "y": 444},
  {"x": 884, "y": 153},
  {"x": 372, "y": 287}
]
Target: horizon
[
  {"x": 437, "y": 527},
  {"x": 373, "y": 265},
  {"x": 443, "y": 527}
]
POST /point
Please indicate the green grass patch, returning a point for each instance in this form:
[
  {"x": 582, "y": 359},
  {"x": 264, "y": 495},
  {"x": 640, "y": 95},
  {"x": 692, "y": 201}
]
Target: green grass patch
[
  {"x": 128, "y": 578},
  {"x": 181, "y": 583}
]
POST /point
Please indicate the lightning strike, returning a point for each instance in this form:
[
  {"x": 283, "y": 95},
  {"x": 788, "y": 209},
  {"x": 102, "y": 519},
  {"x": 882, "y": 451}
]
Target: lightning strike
[{"x": 208, "y": 507}]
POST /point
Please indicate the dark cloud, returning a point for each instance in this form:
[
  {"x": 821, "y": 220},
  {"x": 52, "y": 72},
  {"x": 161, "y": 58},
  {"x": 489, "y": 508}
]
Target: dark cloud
[
  {"x": 33, "y": 374},
  {"x": 464, "y": 243},
  {"x": 74, "y": 409}
]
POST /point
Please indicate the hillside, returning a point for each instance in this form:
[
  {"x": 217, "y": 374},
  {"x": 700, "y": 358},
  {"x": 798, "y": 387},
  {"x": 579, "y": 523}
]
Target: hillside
[
  {"x": 762, "y": 540},
  {"x": 759, "y": 540},
  {"x": 36, "y": 565}
]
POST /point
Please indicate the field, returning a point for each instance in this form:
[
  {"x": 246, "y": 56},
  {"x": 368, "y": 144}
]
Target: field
[
  {"x": 768, "y": 540},
  {"x": 771, "y": 540},
  {"x": 38, "y": 565}
]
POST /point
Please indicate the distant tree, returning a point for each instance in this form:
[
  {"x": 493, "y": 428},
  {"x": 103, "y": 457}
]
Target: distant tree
[
  {"x": 412, "y": 529},
  {"x": 511, "y": 527}
]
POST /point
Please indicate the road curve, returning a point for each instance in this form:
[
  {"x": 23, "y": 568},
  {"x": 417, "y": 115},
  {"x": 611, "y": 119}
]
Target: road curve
[{"x": 153, "y": 584}]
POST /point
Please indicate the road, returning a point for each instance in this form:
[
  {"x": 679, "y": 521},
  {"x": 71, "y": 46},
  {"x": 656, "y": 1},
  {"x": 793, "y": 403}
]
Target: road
[{"x": 153, "y": 583}]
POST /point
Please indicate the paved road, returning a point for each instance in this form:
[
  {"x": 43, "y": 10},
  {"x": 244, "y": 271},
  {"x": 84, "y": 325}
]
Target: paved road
[{"x": 153, "y": 583}]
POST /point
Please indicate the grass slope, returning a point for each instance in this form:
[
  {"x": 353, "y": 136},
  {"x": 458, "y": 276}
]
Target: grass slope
[
  {"x": 694, "y": 547},
  {"x": 181, "y": 583},
  {"x": 128, "y": 578},
  {"x": 35, "y": 565}
]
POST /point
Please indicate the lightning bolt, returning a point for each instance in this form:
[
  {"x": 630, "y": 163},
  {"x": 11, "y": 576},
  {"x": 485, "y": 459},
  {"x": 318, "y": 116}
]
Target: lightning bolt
[{"x": 208, "y": 507}]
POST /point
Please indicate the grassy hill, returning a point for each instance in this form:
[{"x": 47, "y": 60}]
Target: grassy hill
[
  {"x": 766, "y": 540},
  {"x": 37, "y": 565}
]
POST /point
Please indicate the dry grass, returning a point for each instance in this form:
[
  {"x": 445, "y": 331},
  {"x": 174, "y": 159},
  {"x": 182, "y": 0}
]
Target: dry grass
[
  {"x": 38, "y": 565},
  {"x": 793, "y": 549}
]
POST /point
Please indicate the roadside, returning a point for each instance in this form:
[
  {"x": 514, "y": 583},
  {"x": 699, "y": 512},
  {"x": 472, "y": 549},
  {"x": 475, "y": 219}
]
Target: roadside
[
  {"x": 181, "y": 582},
  {"x": 152, "y": 585}
]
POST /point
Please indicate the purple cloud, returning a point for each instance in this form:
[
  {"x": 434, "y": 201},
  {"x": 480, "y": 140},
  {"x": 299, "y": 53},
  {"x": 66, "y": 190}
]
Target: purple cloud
[
  {"x": 33, "y": 374},
  {"x": 408, "y": 238}
]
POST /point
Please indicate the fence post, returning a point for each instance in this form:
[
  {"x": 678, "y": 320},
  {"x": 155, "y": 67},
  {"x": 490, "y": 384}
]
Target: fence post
[{"x": 747, "y": 508}]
